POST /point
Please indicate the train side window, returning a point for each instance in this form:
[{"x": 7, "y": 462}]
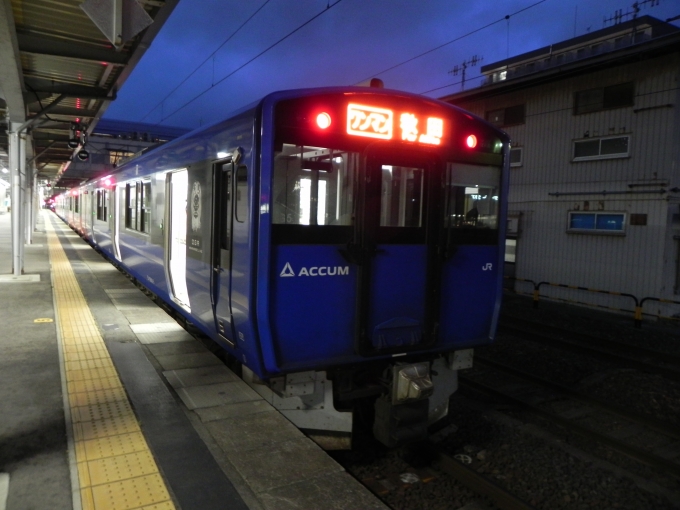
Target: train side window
[
  {"x": 139, "y": 212},
  {"x": 225, "y": 213},
  {"x": 241, "y": 193},
  {"x": 130, "y": 206},
  {"x": 138, "y": 206},
  {"x": 102, "y": 201},
  {"x": 145, "y": 206}
]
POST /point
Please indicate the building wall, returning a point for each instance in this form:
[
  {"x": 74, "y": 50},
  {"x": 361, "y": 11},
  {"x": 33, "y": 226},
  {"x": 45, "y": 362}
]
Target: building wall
[{"x": 642, "y": 261}]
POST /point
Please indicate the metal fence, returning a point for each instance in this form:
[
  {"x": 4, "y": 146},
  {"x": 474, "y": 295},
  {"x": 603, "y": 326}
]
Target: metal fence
[{"x": 638, "y": 303}]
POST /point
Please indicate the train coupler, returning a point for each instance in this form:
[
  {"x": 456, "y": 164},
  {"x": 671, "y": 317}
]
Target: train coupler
[
  {"x": 395, "y": 425},
  {"x": 403, "y": 416}
]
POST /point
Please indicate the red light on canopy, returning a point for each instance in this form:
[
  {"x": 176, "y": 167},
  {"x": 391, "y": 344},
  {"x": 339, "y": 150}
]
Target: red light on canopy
[
  {"x": 107, "y": 182},
  {"x": 471, "y": 141},
  {"x": 323, "y": 120}
]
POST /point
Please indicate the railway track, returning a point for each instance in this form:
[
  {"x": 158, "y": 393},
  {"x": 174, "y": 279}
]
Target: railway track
[
  {"x": 623, "y": 354},
  {"x": 480, "y": 484},
  {"x": 588, "y": 418},
  {"x": 579, "y": 449},
  {"x": 442, "y": 470},
  {"x": 648, "y": 421}
]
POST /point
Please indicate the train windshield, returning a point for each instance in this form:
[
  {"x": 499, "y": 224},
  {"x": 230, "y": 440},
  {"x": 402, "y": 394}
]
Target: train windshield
[
  {"x": 472, "y": 201},
  {"x": 314, "y": 186},
  {"x": 401, "y": 203}
]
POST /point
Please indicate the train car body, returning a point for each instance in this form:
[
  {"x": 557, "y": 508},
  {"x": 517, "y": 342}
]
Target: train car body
[{"x": 341, "y": 244}]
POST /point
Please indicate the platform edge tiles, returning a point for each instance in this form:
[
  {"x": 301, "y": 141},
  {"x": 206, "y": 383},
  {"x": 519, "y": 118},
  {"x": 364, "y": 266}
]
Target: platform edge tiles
[{"x": 114, "y": 466}]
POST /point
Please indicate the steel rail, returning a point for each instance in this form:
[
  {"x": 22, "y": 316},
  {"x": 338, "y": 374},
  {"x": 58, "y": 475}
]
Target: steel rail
[{"x": 481, "y": 485}]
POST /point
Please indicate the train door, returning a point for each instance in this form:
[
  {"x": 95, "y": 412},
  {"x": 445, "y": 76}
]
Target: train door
[
  {"x": 177, "y": 189},
  {"x": 397, "y": 231},
  {"x": 223, "y": 196}
]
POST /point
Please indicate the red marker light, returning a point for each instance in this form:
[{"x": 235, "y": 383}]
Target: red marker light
[
  {"x": 323, "y": 120},
  {"x": 471, "y": 141}
]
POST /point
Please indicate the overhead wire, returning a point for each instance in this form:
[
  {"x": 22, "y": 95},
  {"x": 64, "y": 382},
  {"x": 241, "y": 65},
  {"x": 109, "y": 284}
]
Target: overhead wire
[
  {"x": 206, "y": 59},
  {"x": 328, "y": 7}
]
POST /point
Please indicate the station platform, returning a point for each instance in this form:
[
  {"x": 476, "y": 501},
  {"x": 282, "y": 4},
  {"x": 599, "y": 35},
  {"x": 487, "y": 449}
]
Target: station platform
[{"x": 107, "y": 403}]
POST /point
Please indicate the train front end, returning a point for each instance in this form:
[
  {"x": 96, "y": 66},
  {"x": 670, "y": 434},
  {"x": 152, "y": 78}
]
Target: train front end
[{"x": 379, "y": 261}]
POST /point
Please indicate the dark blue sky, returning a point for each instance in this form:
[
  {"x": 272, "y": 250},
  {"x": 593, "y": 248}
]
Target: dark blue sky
[{"x": 348, "y": 42}]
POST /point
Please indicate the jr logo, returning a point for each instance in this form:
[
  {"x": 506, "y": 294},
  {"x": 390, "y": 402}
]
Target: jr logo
[{"x": 487, "y": 267}]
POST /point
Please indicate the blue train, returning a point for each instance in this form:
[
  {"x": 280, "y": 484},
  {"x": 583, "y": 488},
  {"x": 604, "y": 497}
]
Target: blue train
[{"x": 343, "y": 245}]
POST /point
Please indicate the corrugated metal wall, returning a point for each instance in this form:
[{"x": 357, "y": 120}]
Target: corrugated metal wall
[{"x": 643, "y": 259}]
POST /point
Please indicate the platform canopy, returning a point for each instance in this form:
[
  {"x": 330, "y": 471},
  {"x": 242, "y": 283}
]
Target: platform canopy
[{"x": 61, "y": 64}]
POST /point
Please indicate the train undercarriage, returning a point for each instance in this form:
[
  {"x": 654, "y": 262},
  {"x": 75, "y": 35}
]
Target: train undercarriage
[{"x": 406, "y": 397}]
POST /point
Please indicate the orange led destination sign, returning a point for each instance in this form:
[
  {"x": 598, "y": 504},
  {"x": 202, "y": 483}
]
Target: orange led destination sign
[{"x": 374, "y": 122}]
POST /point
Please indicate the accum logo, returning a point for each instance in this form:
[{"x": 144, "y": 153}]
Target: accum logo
[{"x": 288, "y": 271}]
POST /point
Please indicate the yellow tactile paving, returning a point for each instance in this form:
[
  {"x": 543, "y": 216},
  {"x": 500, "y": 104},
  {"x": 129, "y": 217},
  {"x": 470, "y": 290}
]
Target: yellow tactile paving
[
  {"x": 111, "y": 446},
  {"x": 98, "y": 397},
  {"x": 91, "y": 375},
  {"x": 121, "y": 467},
  {"x": 93, "y": 385},
  {"x": 86, "y": 430},
  {"x": 128, "y": 494},
  {"x": 116, "y": 469}
]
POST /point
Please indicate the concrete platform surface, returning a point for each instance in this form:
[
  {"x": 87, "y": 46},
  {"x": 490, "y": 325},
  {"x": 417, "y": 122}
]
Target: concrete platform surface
[{"x": 216, "y": 442}]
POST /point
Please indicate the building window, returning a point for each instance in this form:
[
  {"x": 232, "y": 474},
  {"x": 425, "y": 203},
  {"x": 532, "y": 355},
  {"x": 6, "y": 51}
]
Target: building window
[
  {"x": 604, "y": 98},
  {"x": 638, "y": 219},
  {"x": 642, "y": 35},
  {"x": 601, "y": 148},
  {"x": 516, "y": 156},
  {"x": 596, "y": 222},
  {"x": 500, "y": 76},
  {"x": 138, "y": 205},
  {"x": 116, "y": 157},
  {"x": 510, "y": 250},
  {"x": 506, "y": 116}
]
